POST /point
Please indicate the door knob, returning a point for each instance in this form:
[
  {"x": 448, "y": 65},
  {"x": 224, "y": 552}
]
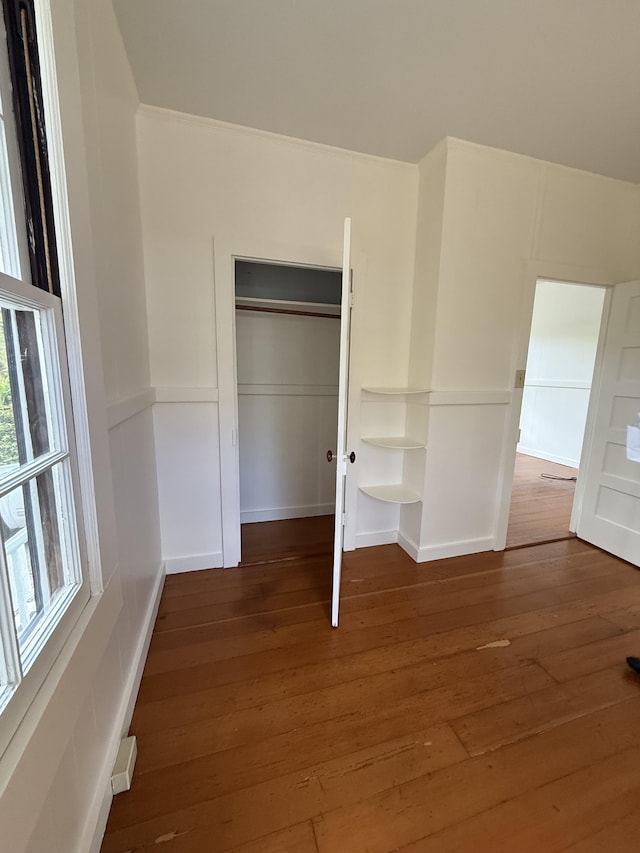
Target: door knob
[{"x": 351, "y": 457}]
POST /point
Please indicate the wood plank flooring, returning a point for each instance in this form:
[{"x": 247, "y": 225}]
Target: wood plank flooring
[
  {"x": 540, "y": 508},
  {"x": 474, "y": 704},
  {"x": 268, "y": 541}
]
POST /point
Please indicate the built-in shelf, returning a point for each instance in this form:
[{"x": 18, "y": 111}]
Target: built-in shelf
[
  {"x": 396, "y": 493},
  {"x": 397, "y": 392},
  {"x": 399, "y": 441}
]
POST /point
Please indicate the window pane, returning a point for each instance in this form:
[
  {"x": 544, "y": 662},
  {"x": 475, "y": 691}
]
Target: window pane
[
  {"x": 26, "y": 427},
  {"x": 8, "y": 439},
  {"x": 38, "y": 547}
]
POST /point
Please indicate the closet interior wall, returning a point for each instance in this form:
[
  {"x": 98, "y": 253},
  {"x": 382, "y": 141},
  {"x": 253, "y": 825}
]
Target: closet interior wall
[{"x": 287, "y": 338}]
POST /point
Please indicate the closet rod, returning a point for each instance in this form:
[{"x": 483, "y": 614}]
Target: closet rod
[{"x": 286, "y": 311}]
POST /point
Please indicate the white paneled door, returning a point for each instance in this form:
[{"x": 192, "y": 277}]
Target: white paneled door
[
  {"x": 341, "y": 458},
  {"x": 610, "y": 516}
]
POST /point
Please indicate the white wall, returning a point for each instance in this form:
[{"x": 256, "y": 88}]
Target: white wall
[
  {"x": 507, "y": 220},
  {"x": 287, "y": 414},
  {"x": 55, "y": 777},
  {"x": 562, "y": 351},
  {"x": 501, "y": 212},
  {"x": 485, "y": 219},
  {"x": 274, "y": 198},
  {"x": 430, "y": 221}
]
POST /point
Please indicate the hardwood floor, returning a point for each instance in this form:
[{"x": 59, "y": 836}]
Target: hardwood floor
[
  {"x": 540, "y": 508},
  {"x": 268, "y": 541},
  {"x": 474, "y": 704}
]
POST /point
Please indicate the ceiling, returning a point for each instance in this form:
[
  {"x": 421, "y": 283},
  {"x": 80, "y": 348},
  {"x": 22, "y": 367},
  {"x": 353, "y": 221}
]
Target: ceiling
[{"x": 555, "y": 79}]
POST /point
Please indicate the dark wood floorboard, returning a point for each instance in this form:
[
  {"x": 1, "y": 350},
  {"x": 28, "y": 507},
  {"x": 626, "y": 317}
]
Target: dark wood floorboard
[
  {"x": 478, "y": 703},
  {"x": 540, "y": 508},
  {"x": 267, "y": 541}
]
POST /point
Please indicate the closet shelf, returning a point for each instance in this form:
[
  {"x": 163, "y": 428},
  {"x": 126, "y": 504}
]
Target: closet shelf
[
  {"x": 397, "y": 493},
  {"x": 402, "y": 442},
  {"x": 287, "y": 306},
  {"x": 397, "y": 392}
]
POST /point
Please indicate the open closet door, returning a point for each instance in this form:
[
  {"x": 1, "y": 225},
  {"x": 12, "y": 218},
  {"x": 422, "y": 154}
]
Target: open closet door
[
  {"x": 610, "y": 516},
  {"x": 341, "y": 443}
]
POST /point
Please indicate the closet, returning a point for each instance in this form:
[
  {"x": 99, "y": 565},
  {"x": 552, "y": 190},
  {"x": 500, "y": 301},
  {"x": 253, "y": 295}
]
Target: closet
[{"x": 287, "y": 340}]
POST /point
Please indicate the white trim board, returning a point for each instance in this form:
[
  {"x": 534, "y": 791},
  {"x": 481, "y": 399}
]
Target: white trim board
[
  {"x": 251, "y": 516},
  {"x": 226, "y": 250},
  {"x": 409, "y": 546},
  {"x": 482, "y": 397},
  {"x": 532, "y": 271},
  {"x": 193, "y": 563},
  {"x": 128, "y": 407},
  {"x": 377, "y": 537},
  {"x": 71, "y": 211},
  {"x": 548, "y": 457},
  {"x": 173, "y": 394},
  {"x": 96, "y": 821},
  {"x": 162, "y": 113},
  {"x": 125, "y": 408},
  {"x": 455, "y": 549}
]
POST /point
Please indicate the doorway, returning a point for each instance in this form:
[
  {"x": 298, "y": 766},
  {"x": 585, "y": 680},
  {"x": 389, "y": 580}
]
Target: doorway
[
  {"x": 287, "y": 356},
  {"x": 563, "y": 343}
]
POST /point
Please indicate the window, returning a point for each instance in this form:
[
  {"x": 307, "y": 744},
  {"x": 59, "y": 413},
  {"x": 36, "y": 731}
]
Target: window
[{"x": 42, "y": 587}]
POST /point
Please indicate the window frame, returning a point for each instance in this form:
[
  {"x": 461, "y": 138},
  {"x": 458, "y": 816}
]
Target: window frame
[
  {"x": 31, "y": 133},
  {"x": 14, "y": 706},
  {"x": 64, "y": 310},
  {"x": 12, "y": 196}
]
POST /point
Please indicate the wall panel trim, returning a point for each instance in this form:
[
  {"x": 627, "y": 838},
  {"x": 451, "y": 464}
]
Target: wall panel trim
[
  {"x": 128, "y": 407},
  {"x": 483, "y": 397},
  {"x": 196, "y": 394}
]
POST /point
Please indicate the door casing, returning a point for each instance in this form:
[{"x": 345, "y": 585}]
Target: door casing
[
  {"x": 532, "y": 271},
  {"x": 226, "y": 250}
]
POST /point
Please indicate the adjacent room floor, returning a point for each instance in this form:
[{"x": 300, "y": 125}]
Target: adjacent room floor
[
  {"x": 540, "y": 507},
  {"x": 474, "y": 704}
]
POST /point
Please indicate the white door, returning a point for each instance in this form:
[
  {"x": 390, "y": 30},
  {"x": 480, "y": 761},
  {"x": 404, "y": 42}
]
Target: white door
[
  {"x": 341, "y": 457},
  {"x": 610, "y": 516}
]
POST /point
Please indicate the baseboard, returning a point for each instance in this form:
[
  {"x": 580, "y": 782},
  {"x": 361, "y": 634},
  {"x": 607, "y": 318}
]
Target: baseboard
[
  {"x": 193, "y": 563},
  {"x": 379, "y": 537},
  {"x": 135, "y": 677},
  {"x": 282, "y": 513},
  {"x": 99, "y": 812},
  {"x": 549, "y": 457},
  {"x": 96, "y": 836},
  {"x": 454, "y": 549},
  {"x": 409, "y": 546}
]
